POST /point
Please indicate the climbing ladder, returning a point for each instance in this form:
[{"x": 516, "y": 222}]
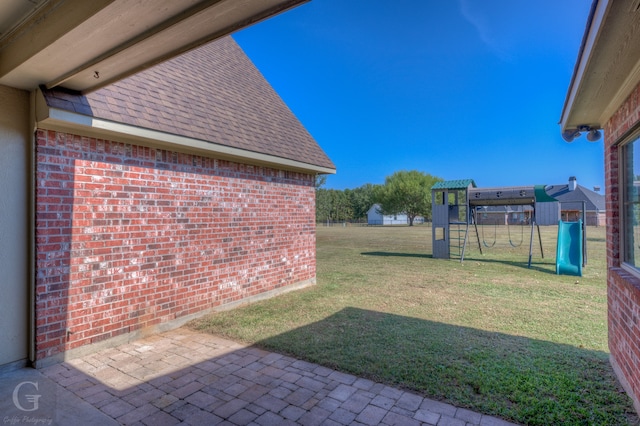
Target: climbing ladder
[
  {"x": 458, "y": 233},
  {"x": 450, "y": 222}
]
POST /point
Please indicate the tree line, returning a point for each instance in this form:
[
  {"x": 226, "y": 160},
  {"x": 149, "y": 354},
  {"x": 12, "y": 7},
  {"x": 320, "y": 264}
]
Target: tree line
[{"x": 404, "y": 192}]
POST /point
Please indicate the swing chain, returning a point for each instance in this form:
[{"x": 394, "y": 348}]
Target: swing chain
[
  {"x": 521, "y": 235},
  {"x": 495, "y": 230}
]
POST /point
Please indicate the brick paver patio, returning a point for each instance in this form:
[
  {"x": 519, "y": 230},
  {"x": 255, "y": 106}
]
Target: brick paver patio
[{"x": 186, "y": 377}]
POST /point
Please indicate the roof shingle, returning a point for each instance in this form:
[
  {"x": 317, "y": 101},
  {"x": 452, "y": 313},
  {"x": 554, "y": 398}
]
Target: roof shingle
[
  {"x": 213, "y": 93},
  {"x": 572, "y": 200}
]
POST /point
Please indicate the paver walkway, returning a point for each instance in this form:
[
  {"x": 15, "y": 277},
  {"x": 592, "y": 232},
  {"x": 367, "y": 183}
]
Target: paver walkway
[{"x": 186, "y": 377}]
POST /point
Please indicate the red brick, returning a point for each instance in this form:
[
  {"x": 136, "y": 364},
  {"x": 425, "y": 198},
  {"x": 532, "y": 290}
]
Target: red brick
[
  {"x": 623, "y": 287},
  {"x": 153, "y": 235}
]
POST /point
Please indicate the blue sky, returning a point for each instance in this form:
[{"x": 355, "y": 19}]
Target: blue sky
[{"x": 454, "y": 88}]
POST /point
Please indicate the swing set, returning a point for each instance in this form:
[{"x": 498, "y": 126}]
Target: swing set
[
  {"x": 480, "y": 199},
  {"x": 459, "y": 203},
  {"x": 495, "y": 233}
]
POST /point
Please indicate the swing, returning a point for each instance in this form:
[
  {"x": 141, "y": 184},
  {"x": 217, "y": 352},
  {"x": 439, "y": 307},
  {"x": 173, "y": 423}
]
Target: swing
[
  {"x": 495, "y": 230},
  {"x": 521, "y": 235}
]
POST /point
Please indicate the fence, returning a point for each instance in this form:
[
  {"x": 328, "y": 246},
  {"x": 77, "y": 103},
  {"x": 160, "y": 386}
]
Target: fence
[{"x": 363, "y": 222}]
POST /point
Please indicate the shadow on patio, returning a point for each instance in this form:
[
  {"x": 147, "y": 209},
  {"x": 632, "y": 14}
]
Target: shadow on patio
[{"x": 185, "y": 376}]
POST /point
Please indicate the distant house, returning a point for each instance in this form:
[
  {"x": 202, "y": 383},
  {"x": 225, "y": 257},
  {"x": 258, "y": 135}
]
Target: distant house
[
  {"x": 375, "y": 217},
  {"x": 572, "y": 198}
]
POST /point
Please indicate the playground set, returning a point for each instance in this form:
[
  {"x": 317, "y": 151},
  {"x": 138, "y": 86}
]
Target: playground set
[{"x": 457, "y": 207}]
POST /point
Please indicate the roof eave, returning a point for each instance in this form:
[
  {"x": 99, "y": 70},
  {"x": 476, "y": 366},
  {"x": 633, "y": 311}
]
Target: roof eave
[
  {"x": 607, "y": 68},
  {"x": 65, "y": 121},
  {"x": 584, "y": 54},
  {"x": 102, "y": 41}
]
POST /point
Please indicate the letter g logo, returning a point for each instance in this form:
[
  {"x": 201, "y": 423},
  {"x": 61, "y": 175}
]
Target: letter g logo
[{"x": 33, "y": 399}]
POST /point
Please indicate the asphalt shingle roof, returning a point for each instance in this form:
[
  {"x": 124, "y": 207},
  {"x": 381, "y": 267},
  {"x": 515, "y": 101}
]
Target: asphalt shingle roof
[
  {"x": 572, "y": 200},
  {"x": 213, "y": 93}
]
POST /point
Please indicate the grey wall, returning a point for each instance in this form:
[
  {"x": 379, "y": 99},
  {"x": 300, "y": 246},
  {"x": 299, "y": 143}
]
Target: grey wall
[{"x": 547, "y": 213}]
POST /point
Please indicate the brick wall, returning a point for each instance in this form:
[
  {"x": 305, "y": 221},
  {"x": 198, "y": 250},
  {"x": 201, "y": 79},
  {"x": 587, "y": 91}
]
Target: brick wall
[
  {"x": 128, "y": 237},
  {"x": 623, "y": 287},
  {"x": 624, "y": 329}
]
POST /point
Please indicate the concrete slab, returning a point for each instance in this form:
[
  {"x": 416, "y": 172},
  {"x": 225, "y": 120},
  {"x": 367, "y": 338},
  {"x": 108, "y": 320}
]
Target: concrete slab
[{"x": 28, "y": 397}]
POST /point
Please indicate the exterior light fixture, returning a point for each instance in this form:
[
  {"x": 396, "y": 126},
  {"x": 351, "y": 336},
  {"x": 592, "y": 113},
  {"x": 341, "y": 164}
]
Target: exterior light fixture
[
  {"x": 570, "y": 135},
  {"x": 593, "y": 135}
]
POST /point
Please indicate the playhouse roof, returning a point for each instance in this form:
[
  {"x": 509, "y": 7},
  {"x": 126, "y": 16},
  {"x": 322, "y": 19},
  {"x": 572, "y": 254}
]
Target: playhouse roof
[
  {"x": 454, "y": 184},
  {"x": 213, "y": 94}
]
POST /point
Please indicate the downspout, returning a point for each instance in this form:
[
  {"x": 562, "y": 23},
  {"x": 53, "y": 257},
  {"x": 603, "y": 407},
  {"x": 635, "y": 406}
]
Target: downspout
[{"x": 32, "y": 232}]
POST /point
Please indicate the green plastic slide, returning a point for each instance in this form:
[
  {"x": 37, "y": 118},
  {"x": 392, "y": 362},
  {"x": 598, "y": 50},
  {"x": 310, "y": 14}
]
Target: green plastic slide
[{"x": 569, "y": 250}]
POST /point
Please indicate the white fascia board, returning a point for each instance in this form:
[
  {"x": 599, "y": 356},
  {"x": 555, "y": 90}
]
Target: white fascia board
[
  {"x": 66, "y": 121},
  {"x": 584, "y": 58}
]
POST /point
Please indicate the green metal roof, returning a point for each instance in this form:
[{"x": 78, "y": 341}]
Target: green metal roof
[
  {"x": 454, "y": 184},
  {"x": 541, "y": 194}
]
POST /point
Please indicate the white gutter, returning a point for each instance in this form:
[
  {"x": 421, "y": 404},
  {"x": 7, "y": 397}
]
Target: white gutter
[{"x": 66, "y": 121}]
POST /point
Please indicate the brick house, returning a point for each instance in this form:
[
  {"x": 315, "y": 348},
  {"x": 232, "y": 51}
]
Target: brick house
[
  {"x": 199, "y": 196},
  {"x": 161, "y": 188},
  {"x": 573, "y": 198},
  {"x": 604, "y": 93}
]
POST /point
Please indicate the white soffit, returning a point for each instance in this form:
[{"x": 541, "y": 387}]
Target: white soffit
[{"x": 84, "y": 45}]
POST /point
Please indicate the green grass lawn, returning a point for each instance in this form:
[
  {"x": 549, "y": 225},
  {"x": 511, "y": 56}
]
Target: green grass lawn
[{"x": 489, "y": 334}]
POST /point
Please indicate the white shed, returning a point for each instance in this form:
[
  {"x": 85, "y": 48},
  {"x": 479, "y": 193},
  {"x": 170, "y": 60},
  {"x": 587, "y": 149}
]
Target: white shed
[{"x": 375, "y": 217}]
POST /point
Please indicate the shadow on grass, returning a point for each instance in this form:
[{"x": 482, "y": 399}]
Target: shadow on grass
[
  {"x": 538, "y": 266},
  {"x": 599, "y": 240},
  {"x": 392, "y": 254},
  {"x": 525, "y": 380}
]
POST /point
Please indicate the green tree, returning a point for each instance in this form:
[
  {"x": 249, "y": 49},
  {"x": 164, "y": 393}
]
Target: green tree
[
  {"x": 361, "y": 199},
  {"x": 332, "y": 205},
  {"x": 320, "y": 181},
  {"x": 407, "y": 192},
  {"x": 340, "y": 206},
  {"x": 323, "y": 205}
]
